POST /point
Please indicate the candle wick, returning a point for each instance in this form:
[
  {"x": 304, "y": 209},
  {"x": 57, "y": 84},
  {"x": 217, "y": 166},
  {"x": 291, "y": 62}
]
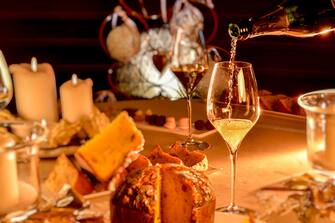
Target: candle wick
[
  {"x": 74, "y": 79},
  {"x": 34, "y": 64}
]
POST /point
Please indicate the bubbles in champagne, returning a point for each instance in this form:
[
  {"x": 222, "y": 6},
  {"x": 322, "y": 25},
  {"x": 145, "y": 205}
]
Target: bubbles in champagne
[
  {"x": 233, "y": 45},
  {"x": 231, "y": 69}
]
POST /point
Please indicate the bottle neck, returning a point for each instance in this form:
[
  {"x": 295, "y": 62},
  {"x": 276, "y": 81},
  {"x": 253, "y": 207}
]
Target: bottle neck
[
  {"x": 273, "y": 23},
  {"x": 241, "y": 30},
  {"x": 296, "y": 18}
]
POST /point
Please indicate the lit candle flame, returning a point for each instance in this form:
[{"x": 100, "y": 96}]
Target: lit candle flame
[
  {"x": 74, "y": 79},
  {"x": 34, "y": 64}
]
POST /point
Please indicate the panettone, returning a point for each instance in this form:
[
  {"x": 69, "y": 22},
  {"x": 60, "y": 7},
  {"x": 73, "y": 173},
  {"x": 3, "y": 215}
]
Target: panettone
[{"x": 164, "y": 193}]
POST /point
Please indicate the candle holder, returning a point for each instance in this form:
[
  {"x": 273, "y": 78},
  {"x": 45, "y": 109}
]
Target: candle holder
[
  {"x": 19, "y": 168},
  {"x": 320, "y": 128}
]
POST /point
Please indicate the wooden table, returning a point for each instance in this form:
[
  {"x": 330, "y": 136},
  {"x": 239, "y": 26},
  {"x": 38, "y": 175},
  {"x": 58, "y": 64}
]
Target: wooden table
[{"x": 274, "y": 149}]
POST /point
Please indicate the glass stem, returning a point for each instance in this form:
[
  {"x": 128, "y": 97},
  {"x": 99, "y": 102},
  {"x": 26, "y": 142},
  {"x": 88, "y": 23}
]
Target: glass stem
[
  {"x": 189, "y": 110},
  {"x": 232, "y": 180}
]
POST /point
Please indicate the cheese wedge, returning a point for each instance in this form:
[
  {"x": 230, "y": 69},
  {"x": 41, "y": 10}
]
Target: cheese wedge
[{"x": 108, "y": 150}]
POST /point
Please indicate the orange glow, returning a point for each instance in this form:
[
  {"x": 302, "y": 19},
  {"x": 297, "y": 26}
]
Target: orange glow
[{"x": 326, "y": 30}]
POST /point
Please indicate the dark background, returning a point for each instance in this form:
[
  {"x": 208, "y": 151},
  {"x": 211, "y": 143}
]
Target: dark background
[{"x": 65, "y": 34}]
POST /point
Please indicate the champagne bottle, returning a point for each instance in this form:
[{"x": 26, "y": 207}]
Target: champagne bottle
[{"x": 298, "y": 18}]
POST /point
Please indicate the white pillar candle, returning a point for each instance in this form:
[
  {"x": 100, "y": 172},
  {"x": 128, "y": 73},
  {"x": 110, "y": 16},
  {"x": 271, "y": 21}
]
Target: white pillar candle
[
  {"x": 76, "y": 99},
  {"x": 9, "y": 192},
  {"x": 35, "y": 91},
  {"x": 28, "y": 195}
]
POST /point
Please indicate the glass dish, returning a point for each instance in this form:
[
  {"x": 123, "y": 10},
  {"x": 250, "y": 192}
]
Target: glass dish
[
  {"x": 19, "y": 168},
  {"x": 320, "y": 128}
]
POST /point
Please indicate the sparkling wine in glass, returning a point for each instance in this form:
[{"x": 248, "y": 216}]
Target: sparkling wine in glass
[
  {"x": 189, "y": 63},
  {"x": 6, "y": 86},
  {"x": 233, "y": 109}
]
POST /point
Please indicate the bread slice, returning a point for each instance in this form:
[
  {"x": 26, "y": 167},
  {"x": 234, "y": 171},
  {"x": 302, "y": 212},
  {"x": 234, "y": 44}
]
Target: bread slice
[
  {"x": 140, "y": 163},
  {"x": 64, "y": 172},
  {"x": 157, "y": 155},
  {"x": 175, "y": 186},
  {"x": 195, "y": 159},
  {"x": 108, "y": 150},
  {"x": 186, "y": 195}
]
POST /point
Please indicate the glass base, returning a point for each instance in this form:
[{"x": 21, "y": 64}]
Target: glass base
[
  {"x": 192, "y": 144},
  {"x": 18, "y": 216},
  {"x": 234, "y": 209}
]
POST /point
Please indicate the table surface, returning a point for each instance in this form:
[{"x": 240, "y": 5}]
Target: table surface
[{"x": 273, "y": 150}]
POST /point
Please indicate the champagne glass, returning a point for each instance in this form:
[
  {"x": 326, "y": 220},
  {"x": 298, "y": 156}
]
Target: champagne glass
[
  {"x": 6, "y": 86},
  {"x": 189, "y": 63},
  {"x": 233, "y": 109}
]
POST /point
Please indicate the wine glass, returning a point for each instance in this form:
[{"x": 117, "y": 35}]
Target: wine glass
[
  {"x": 189, "y": 63},
  {"x": 6, "y": 86},
  {"x": 233, "y": 109}
]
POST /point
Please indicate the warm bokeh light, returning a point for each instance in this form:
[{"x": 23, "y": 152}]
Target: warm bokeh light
[{"x": 326, "y": 30}]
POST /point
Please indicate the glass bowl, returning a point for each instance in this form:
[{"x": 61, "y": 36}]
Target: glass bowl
[
  {"x": 19, "y": 168},
  {"x": 320, "y": 128}
]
